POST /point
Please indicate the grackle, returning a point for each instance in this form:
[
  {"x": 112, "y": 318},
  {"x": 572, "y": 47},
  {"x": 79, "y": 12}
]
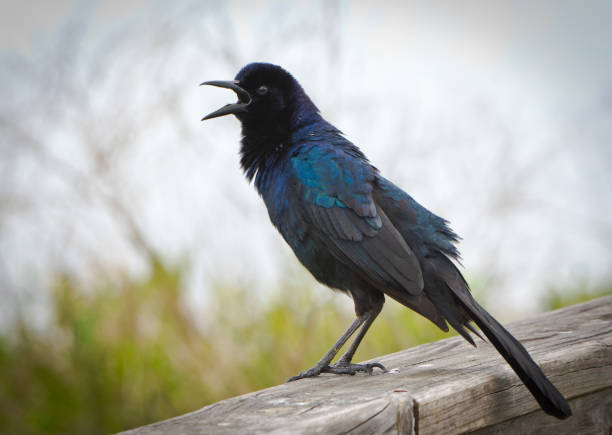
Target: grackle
[{"x": 353, "y": 229}]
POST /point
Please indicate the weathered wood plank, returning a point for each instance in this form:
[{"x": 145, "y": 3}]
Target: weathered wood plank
[
  {"x": 442, "y": 387},
  {"x": 592, "y": 415}
]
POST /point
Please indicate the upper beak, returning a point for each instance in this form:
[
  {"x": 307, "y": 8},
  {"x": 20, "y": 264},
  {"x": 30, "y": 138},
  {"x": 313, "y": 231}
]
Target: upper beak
[{"x": 244, "y": 99}]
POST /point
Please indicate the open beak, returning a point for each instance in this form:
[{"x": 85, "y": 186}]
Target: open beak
[{"x": 244, "y": 99}]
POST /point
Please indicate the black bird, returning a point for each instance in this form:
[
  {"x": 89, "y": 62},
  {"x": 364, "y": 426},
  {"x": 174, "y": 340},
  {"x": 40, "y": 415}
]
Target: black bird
[{"x": 353, "y": 229}]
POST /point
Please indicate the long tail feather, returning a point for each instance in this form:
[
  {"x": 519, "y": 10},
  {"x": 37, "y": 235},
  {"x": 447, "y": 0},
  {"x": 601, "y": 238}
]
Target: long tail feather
[{"x": 549, "y": 398}]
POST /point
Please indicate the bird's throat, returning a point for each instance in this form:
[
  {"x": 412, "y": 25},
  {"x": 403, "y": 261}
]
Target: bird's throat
[{"x": 261, "y": 154}]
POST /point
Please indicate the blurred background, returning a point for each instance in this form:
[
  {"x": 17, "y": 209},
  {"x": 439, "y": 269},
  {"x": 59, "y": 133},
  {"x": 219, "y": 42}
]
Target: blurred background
[{"x": 139, "y": 275}]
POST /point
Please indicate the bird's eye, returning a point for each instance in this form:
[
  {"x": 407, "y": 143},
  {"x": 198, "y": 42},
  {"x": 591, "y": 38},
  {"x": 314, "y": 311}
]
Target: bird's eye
[{"x": 262, "y": 90}]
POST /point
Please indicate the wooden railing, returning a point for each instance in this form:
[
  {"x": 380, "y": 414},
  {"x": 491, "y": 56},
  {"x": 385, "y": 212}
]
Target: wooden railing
[{"x": 438, "y": 388}]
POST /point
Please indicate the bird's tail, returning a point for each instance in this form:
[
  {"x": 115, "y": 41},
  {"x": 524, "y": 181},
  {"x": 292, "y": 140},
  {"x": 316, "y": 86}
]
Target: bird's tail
[{"x": 549, "y": 398}]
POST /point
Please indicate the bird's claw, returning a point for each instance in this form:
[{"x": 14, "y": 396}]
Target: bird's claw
[
  {"x": 340, "y": 368},
  {"x": 310, "y": 373}
]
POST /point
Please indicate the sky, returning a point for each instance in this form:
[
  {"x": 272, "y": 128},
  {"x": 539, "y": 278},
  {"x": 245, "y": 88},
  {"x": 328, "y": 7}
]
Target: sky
[{"x": 495, "y": 115}]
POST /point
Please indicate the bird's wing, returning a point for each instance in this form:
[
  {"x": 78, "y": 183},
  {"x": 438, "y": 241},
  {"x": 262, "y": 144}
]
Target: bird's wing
[{"x": 334, "y": 194}]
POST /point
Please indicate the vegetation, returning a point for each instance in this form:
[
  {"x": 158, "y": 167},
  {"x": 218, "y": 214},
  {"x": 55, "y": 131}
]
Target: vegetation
[
  {"x": 557, "y": 298},
  {"x": 120, "y": 356}
]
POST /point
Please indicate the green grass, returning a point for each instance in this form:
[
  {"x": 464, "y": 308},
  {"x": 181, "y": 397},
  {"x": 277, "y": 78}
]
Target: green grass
[{"x": 556, "y": 298}]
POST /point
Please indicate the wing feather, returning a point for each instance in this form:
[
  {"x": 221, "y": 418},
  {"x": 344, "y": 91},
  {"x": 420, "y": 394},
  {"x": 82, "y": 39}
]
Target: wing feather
[{"x": 335, "y": 199}]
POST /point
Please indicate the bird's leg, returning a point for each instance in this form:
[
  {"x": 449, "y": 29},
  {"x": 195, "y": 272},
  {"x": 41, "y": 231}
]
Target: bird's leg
[
  {"x": 323, "y": 364},
  {"x": 344, "y": 365}
]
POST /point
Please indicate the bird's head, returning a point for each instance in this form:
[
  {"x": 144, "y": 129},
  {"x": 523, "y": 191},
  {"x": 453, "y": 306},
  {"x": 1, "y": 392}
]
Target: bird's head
[{"x": 269, "y": 99}]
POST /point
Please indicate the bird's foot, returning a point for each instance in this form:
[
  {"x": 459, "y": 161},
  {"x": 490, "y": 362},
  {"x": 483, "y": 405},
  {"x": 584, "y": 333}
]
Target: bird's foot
[
  {"x": 310, "y": 373},
  {"x": 345, "y": 368},
  {"x": 340, "y": 368}
]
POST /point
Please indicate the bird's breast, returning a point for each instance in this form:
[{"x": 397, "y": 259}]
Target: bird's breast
[{"x": 284, "y": 213}]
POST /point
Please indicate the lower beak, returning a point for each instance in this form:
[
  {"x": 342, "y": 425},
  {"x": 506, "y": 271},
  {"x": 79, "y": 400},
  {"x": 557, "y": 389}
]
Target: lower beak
[{"x": 244, "y": 99}]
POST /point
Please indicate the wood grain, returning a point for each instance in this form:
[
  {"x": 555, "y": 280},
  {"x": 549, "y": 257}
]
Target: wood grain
[{"x": 441, "y": 388}]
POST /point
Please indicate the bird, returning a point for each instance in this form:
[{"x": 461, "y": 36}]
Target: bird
[{"x": 353, "y": 229}]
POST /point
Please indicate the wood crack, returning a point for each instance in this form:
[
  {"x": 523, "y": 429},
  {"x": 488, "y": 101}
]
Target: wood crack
[{"x": 365, "y": 421}]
